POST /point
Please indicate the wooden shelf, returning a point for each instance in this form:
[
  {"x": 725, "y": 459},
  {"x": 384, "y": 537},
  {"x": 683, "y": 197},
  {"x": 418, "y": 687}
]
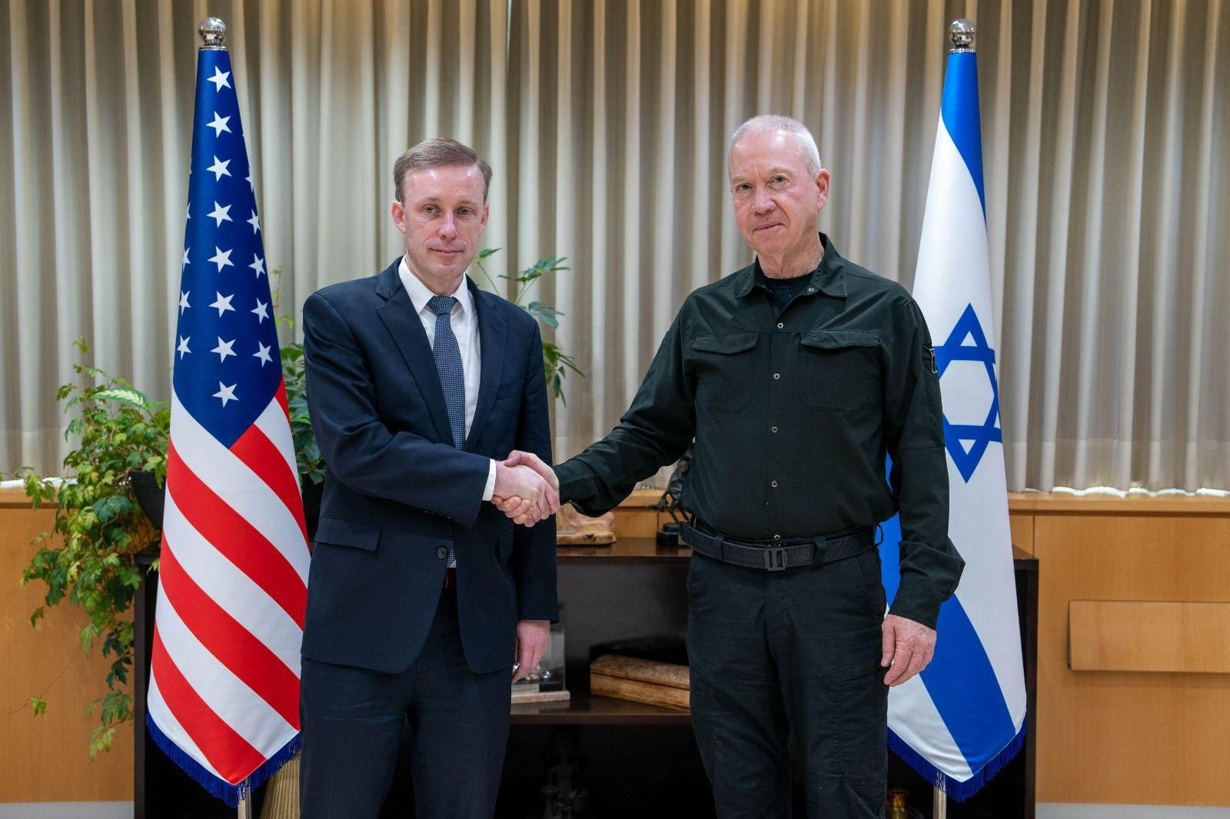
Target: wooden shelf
[{"x": 584, "y": 709}]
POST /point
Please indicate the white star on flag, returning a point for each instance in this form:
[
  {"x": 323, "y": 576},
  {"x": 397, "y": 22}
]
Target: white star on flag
[
  {"x": 224, "y": 349},
  {"x": 255, "y": 222},
  {"x": 220, "y": 79},
  {"x": 220, "y": 214},
  {"x": 263, "y": 354},
  {"x": 186, "y": 262},
  {"x": 219, "y": 168},
  {"x": 219, "y": 125},
  {"x": 222, "y": 258},
  {"x": 258, "y": 264},
  {"x": 248, "y": 178},
  {"x": 226, "y": 393},
  {"x": 262, "y": 311},
  {"x": 182, "y": 349},
  {"x": 183, "y": 301},
  {"x": 223, "y": 303}
]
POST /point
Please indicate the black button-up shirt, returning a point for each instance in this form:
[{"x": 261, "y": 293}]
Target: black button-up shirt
[{"x": 793, "y": 411}]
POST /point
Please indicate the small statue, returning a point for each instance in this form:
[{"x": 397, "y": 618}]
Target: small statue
[
  {"x": 574, "y": 529},
  {"x": 562, "y": 799}
]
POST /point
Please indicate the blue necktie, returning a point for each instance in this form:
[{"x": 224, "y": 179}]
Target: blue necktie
[
  {"x": 448, "y": 364},
  {"x": 452, "y": 377}
]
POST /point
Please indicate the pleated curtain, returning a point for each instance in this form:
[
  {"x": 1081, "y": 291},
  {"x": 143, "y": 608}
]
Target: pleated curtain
[{"x": 1106, "y": 138}]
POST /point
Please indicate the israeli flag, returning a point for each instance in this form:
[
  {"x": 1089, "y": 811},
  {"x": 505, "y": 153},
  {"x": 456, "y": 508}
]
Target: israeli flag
[{"x": 963, "y": 718}]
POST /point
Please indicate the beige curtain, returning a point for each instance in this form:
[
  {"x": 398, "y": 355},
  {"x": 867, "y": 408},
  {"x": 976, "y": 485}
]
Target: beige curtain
[{"x": 1106, "y": 126}]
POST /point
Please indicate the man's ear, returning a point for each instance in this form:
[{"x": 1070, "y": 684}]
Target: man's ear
[
  {"x": 822, "y": 188},
  {"x": 398, "y": 211}
]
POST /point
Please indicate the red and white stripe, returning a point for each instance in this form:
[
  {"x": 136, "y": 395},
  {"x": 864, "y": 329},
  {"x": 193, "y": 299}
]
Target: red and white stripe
[{"x": 224, "y": 685}]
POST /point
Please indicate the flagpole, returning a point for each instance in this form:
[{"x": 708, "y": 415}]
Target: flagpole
[
  {"x": 244, "y": 810},
  {"x": 961, "y": 35}
]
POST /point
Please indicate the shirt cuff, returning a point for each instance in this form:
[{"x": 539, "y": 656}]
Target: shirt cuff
[{"x": 489, "y": 489}]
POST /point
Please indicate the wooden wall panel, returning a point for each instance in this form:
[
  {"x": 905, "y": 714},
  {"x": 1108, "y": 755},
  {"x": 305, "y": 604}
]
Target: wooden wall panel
[
  {"x": 1022, "y": 528},
  {"x": 1103, "y": 737},
  {"x": 1146, "y": 738},
  {"x": 46, "y": 759},
  {"x": 635, "y": 517},
  {"x": 1146, "y": 635}
]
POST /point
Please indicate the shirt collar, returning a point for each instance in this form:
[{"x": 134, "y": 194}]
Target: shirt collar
[
  {"x": 420, "y": 295},
  {"x": 829, "y": 277}
]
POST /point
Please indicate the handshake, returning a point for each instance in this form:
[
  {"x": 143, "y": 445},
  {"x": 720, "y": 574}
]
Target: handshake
[{"x": 526, "y": 489}]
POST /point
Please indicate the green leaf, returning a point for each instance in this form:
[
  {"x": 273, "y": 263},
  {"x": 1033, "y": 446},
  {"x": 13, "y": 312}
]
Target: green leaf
[
  {"x": 123, "y": 395},
  {"x": 112, "y": 506},
  {"x": 38, "y": 705}
]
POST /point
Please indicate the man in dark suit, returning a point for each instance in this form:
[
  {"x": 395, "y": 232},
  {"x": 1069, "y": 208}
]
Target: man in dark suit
[{"x": 422, "y": 593}]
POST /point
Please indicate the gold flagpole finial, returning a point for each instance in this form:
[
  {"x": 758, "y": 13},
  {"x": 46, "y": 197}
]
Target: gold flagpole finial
[
  {"x": 213, "y": 34},
  {"x": 961, "y": 33}
]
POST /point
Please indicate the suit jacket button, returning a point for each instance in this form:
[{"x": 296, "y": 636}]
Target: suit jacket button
[{"x": 442, "y": 552}]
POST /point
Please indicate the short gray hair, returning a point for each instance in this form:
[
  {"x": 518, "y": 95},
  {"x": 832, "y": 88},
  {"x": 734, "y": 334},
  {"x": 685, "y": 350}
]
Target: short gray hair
[
  {"x": 438, "y": 152},
  {"x": 776, "y": 123}
]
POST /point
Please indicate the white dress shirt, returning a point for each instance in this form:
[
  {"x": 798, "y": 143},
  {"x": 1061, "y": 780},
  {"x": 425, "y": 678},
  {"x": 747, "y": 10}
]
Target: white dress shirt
[{"x": 464, "y": 321}]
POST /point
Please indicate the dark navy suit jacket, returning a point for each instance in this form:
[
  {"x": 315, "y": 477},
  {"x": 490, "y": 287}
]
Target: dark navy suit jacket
[{"x": 398, "y": 493}]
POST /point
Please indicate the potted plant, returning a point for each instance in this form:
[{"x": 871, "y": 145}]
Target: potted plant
[
  {"x": 100, "y": 526},
  {"x": 555, "y": 361},
  {"x": 308, "y": 460}
]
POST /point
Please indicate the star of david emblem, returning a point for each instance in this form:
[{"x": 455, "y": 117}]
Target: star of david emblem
[{"x": 966, "y": 443}]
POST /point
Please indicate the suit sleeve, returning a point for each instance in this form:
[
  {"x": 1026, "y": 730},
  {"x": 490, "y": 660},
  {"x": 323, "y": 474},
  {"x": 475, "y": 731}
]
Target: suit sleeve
[
  {"x": 359, "y": 448},
  {"x": 533, "y": 558}
]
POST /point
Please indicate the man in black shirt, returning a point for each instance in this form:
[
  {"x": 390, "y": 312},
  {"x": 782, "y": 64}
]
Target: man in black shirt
[{"x": 796, "y": 376}]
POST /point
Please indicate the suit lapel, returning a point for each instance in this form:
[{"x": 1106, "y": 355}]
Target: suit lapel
[
  {"x": 492, "y": 330},
  {"x": 405, "y": 327}
]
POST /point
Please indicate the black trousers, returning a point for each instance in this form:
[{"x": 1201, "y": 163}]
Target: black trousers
[
  {"x": 352, "y": 722},
  {"x": 785, "y": 661}
]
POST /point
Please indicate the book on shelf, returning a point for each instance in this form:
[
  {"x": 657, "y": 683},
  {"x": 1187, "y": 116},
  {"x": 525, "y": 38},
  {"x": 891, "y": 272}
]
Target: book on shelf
[
  {"x": 638, "y": 680},
  {"x": 522, "y": 694}
]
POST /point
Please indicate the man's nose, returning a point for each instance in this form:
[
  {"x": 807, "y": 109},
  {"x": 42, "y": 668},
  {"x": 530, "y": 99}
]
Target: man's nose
[
  {"x": 448, "y": 226},
  {"x": 761, "y": 201}
]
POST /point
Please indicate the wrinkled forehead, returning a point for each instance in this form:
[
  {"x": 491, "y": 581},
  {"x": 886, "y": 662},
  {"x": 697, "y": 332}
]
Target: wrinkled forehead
[{"x": 766, "y": 151}]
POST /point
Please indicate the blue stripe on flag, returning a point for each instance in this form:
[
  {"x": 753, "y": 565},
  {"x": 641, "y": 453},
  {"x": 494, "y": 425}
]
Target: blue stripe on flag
[
  {"x": 959, "y": 110},
  {"x": 959, "y": 673}
]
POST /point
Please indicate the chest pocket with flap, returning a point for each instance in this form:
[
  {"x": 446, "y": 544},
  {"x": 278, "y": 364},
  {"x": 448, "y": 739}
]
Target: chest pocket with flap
[
  {"x": 725, "y": 369},
  {"x": 839, "y": 369}
]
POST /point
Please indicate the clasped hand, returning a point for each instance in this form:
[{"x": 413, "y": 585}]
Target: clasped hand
[{"x": 526, "y": 489}]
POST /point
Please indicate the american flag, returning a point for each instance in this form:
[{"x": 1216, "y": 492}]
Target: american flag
[{"x": 223, "y": 698}]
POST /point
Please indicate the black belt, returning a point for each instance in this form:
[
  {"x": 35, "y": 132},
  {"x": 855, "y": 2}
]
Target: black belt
[{"x": 776, "y": 556}]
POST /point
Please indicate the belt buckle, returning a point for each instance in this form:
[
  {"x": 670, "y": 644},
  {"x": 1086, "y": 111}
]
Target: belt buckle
[{"x": 775, "y": 558}]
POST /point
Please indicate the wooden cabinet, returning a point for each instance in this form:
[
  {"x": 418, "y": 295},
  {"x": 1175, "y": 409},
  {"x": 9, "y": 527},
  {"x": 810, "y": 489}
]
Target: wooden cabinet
[
  {"x": 640, "y": 760},
  {"x": 633, "y": 759}
]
